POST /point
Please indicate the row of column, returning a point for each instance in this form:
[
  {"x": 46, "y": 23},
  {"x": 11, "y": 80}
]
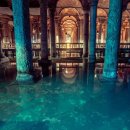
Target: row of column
[
  {"x": 112, "y": 40},
  {"x": 23, "y": 38}
]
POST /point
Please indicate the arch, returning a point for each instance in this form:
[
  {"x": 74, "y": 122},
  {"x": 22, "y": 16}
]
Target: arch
[
  {"x": 67, "y": 3},
  {"x": 101, "y": 13},
  {"x": 126, "y": 14},
  {"x": 73, "y": 6},
  {"x": 69, "y": 11},
  {"x": 69, "y": 18}
]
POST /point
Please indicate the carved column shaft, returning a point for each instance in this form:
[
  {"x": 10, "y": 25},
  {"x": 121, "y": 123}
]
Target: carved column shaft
[
  {"x": 52, "y": 31},
  {"x": 0, "y": 45},
  {"x": 78, "y": 32},
  {"x": 5, "y": 31},
  {"x": 128, "y": 35},
  {"x": 22, "y": 40},
  {"x": 92, "y": 42},
  {"x": 113, "y": 39},
  {"x": 86, "y": 32},
  {"x": 44, "y": 42},
  {"x": 100, "y": 31}
]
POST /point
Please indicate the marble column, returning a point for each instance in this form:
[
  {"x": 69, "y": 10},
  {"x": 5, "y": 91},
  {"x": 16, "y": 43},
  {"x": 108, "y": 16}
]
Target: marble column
[
  {"x": 31, "y": 29},
  {"x": 81, "y": 30},
  {"x": 44, "y": 42},
  {"x": 78, "y": 32},
  {"x": 22, "y": 41},
  {"x": 60, "y": 33},
  {"x": 52, "y": 31},
  {"x": 57, "y": 30},
  {"x": 1, "y": 53},
  {"x": 129, "y": 32},
  {"x": 86, "y": 32},
  {"x": 45, "y": 62},
  {"x": 113, "y": 40},
  {"x": 92, "y": 42},
  {"x": 100, "y": 31},
  {"x": 5, "y": 32}
]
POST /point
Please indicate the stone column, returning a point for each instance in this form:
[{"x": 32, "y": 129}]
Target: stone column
[
  {"x": 81, "y": 31},
  {"x": 100, "y": 30},
  {"x": 44, "y": 42},
  {"x": 92, "y": 42},
  {"x": 86, "y": 33},
  {"x": 5, "y": 31},
  {"x": 60, "y": 33},
  {"x": 113, "y": 40},
  {"x": 128, "y": 35},
  {"x": 129, "y": 32},
  {"x": 57, "y": 30},
  {"x": 22, "y": 41},
  {"x": 44, "y": 63},
  {"x": 78, "y": 32},
  {"x": 52, "y": 30},
  {"x": 1, "y": 53},
  {"x": 31, "y": 28}
]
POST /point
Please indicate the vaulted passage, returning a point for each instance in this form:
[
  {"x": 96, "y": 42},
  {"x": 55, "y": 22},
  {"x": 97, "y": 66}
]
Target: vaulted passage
[{"x": 64, "y": 64}]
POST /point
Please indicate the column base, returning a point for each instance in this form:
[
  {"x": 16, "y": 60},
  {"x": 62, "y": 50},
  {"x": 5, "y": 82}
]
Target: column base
[
  {"x": 107, "y": 81},
  {"x": 24, "y": 78},
  {"x": 110, "y": 76}
]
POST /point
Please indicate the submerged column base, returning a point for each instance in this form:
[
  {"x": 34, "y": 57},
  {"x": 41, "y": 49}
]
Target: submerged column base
[
  {"x": 24, "y": 78},
  {"x": 109, "y": 75}
]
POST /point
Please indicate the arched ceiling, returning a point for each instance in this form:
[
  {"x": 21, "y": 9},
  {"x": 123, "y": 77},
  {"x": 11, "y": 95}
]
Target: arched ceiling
[
  {"x": 68, "y": 18},
  {"x": 63, "y": 3},
  {"x": 69, "y": 12},
  {"x": 103, "y": 4},
  {"x": 69, "y": 6},
  {"x": 69, "y": 3},
  {"x": 101, "y": 12}
]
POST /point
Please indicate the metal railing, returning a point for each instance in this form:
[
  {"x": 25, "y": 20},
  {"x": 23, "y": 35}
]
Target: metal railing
[{"x": 69, "y": 50}]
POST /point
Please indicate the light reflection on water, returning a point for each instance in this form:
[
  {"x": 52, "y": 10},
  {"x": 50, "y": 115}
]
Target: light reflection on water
[{"x": 52, "y": 104}]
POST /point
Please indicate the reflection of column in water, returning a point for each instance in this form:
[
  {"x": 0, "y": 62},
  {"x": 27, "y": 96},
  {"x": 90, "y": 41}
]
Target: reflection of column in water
[
  {"x": 53, "y": 68},
  {"x": 84, "y": 72},
  {"x": 90, "y": 75},
  {"x": 45, "y": 64}
]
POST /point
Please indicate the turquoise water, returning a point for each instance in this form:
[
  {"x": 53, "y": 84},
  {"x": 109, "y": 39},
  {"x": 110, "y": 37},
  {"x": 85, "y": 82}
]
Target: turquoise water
[{"x": 72, "y": 100}]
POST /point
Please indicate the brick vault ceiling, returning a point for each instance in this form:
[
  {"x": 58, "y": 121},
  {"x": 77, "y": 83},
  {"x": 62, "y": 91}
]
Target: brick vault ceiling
[{"x": 64, "y": 3}]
